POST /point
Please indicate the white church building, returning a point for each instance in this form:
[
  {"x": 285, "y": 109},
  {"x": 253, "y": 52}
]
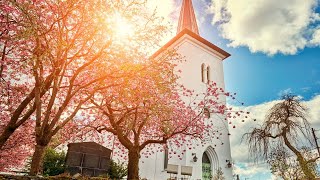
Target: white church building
[{"x": 204, "y": 61}]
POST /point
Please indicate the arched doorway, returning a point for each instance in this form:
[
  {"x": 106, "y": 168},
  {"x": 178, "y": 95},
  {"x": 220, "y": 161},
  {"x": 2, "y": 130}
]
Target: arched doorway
[
  {"x": 206, "y": 167},
  {"x": 210, "y": 163}
]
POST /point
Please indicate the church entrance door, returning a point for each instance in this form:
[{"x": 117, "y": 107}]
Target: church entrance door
[{"x": 206, "y": 167}]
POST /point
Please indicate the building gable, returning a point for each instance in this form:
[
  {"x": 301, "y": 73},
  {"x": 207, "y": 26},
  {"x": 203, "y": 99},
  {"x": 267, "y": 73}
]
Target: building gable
[{"x": 196, "y": 39}]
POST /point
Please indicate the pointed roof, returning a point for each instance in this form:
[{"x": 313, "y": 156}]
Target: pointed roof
[
  {"x": 188, "y": 30},
  {"x": 187, "y": 18}
]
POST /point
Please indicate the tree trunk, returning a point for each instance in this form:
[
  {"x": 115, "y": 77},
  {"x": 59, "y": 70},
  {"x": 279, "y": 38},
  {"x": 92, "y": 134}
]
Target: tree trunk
[
  {"x": 36, "y": 163},
  {"x": 133, "y": 165},
  {"x": 302, "y": 162},
  {"x": 5, "y": 135},
  {"x": 306, "y": 170}
]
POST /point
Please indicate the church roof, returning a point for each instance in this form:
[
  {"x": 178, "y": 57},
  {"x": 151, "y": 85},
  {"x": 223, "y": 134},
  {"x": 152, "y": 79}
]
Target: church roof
[
  {"x": 187, "y": 18},
  {"x": 195, "y": 36},
  {"x": 188, "y": 25}
]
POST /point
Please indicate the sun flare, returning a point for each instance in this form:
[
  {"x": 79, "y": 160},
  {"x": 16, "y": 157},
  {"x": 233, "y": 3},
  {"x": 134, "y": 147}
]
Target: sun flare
[{"x": 122, "y": 29}]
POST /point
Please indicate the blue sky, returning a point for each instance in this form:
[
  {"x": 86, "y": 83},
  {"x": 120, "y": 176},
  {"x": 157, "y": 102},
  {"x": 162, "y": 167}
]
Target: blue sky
[
  {"x": 262, "y": 67},
  {"x": 259, "y": 77},
  {"x": 274, "y": 47}
]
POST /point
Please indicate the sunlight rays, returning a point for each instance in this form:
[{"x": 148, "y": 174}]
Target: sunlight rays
[{"x": 122, "y": 28}]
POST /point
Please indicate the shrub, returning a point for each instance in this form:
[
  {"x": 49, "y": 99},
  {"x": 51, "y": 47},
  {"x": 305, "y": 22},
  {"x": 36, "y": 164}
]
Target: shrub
[
  {"x": 53, "y": 162},
  {"x": 117, "y": 170}
]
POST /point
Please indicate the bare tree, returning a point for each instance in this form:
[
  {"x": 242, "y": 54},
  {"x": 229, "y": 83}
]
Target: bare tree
[
  {"x": 286, "y": 128},
  {"x": 284, "y": 165}
]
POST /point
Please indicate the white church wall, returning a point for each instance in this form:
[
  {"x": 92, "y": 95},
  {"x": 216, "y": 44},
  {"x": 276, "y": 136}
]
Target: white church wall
[
  {"x": 195, "y": 54},
  {"x": 153, "y": 166}
]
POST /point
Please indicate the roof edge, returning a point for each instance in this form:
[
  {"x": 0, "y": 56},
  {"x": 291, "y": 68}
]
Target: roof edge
[{"x": 195, "y": 36}]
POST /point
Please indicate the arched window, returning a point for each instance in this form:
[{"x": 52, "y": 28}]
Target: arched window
[
  {"x": 206, "y": 112},
  {"x": 166, "y": 157},
  {"x": 203, "y": 72},
  {"x": 208, "y": 74}
]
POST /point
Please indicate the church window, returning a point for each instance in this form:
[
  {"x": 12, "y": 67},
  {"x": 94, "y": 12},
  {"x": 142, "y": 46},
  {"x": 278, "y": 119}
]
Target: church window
[
  {"x": 208, "y": 74},
  {"x": 203, "y": 73},
  {"x": 166, "y": 157},
  {"x": 206, "y": 112}
]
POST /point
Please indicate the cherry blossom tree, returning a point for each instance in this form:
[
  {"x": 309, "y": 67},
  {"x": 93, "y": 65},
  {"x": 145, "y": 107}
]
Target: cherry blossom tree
[
  {"x": 18, "y": 148},
  {"x": 153, "y": 108},
  {"x": 65, "y": 64},
  {"x": 57, "y": 54},
  {"x": 15, "y": 146}
]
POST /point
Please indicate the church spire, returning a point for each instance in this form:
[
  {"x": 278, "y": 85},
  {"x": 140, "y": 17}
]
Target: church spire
[{"x": 187, "y": 18}]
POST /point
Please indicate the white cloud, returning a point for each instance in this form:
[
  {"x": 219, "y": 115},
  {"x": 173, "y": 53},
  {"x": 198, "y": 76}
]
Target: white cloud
[
  {"x": 250, "y": 170},
  {"x": 257, "y": 112},
  {"x": 240, "y": 151},
  {"x": 285, "y": 91},
  {"x": 268, "y": 26},
  {"x": 201, "y": 14},
  {"x": 314, "y": 111},
  {"x": 316, "y": 38},
  {"x": 273, "y": 177}
]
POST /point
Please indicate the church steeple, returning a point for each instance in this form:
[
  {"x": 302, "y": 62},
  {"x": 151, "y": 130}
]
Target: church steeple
[{"x": 187, "y": 18}]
